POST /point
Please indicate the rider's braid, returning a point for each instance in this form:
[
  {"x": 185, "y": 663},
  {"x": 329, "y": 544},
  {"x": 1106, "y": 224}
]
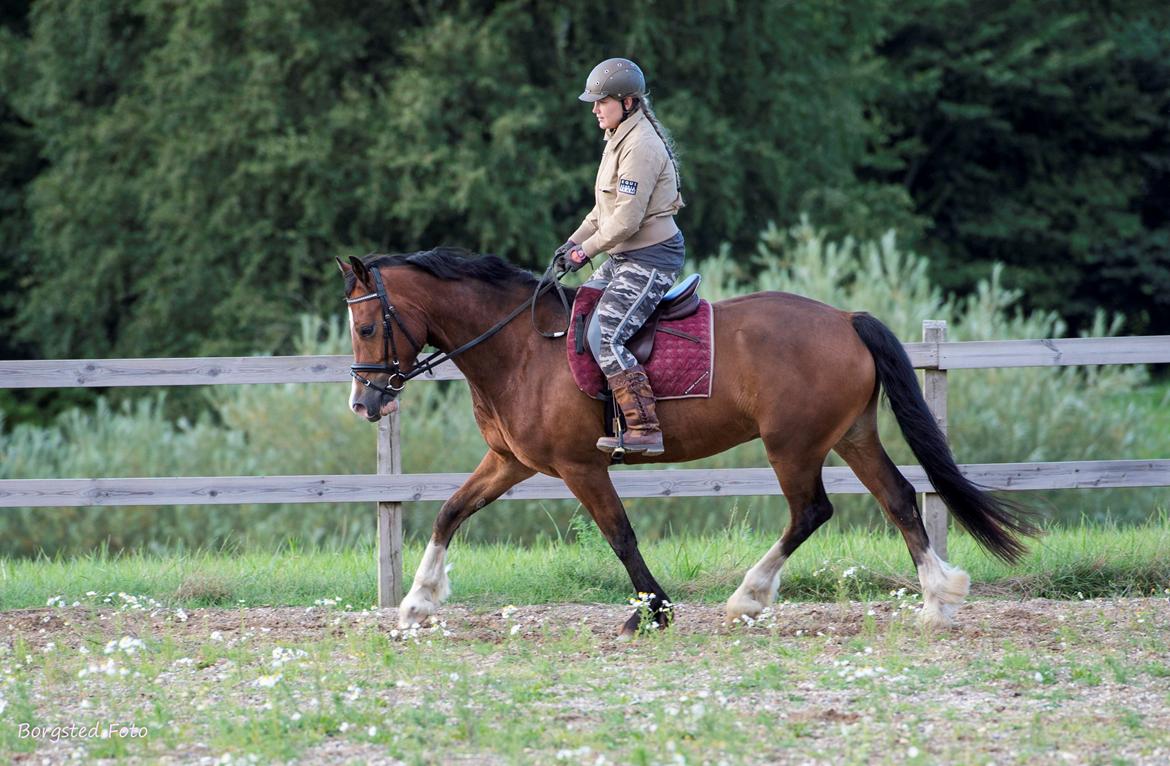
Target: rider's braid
[{"x": 648, "y": 110}]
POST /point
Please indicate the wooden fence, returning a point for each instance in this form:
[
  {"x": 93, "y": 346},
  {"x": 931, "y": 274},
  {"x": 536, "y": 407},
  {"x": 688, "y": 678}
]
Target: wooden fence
[{"x": 390, "y": 488}]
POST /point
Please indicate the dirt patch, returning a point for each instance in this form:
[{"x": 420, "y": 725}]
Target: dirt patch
[
  {"x": 1024, "y": 622},
  {"x": 1030, "y": 681}
]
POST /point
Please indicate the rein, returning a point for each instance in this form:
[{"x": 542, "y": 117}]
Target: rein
[{"x": 390, "y": 365}]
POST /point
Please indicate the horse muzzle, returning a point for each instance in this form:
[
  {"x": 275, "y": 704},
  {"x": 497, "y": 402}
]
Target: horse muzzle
[{"x": 374, "y": 408}]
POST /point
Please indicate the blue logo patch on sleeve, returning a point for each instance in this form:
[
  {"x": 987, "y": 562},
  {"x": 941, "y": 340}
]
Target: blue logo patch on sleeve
[{"x": 628, "y": 187}]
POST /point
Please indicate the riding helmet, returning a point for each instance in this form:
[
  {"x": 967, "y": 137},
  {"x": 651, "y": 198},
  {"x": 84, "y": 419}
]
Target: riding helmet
[{"x": 614, "y": 77}]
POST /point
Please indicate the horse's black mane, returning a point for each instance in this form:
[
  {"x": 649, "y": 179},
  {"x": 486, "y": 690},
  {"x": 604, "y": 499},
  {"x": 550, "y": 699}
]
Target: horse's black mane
[{"x": 453, "y": 263}]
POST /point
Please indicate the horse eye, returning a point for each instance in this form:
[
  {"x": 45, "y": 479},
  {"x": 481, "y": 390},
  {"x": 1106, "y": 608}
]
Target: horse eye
[{"x": 366, "y": 331}]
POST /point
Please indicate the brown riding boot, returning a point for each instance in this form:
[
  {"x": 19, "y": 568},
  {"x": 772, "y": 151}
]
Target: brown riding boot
[{"x": 632, "y": 393}]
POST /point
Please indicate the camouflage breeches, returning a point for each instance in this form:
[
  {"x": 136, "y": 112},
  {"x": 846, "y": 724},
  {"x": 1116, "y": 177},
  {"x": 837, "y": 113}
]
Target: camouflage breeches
[{"x": 630, "y": 297}]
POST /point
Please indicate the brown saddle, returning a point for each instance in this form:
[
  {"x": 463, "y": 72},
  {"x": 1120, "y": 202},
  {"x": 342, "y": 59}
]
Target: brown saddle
[{"x": 680, "y": 302}]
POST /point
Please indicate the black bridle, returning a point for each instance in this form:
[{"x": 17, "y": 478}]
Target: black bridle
[{"x": 390, "y": 365}]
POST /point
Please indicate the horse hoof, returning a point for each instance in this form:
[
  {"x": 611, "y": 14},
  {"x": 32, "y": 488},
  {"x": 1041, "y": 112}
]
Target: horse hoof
[
  {"x": 631, "y": 627},
  {"x": 643, "y": 622},
  {"x": 938, "y": 616},
  {"x": 415, "y": 610},
  {"x": 741, "y": 605}
]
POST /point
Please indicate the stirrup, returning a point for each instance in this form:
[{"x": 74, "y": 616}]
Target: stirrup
[
  {"x": 617, "y": 453},
  {"x": 623, "y": 448}
]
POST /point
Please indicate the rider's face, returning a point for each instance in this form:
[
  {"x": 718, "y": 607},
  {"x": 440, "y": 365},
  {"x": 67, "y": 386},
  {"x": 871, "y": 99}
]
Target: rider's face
[{"x": 608, "y": 112}]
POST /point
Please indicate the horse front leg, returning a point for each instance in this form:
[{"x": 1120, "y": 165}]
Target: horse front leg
[
  {"x": 496, "y": 474},
  {"x": 592, "y": 486}
]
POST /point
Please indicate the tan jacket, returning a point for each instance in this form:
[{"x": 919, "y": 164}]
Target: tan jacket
[{"x": 636, "y": 192}]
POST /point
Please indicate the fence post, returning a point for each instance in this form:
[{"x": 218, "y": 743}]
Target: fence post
[
  {"x": 934, "y": 389},
  {"x": 389, "y": 516}
]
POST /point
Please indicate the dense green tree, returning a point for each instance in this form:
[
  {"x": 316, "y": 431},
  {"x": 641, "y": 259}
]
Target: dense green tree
[
  {"x": 19, "y": 164},
  {"x": 205, "y": 160},
  {"x": 1036, "y": 134},
  {"x": 175, "y": 177}
]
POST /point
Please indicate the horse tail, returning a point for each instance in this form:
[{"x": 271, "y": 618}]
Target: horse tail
[{"x": 994, "y": 522}]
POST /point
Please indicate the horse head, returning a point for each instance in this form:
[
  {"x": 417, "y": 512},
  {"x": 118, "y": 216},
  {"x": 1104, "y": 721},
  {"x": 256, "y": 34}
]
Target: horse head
[{"x": 384, "y": 341}]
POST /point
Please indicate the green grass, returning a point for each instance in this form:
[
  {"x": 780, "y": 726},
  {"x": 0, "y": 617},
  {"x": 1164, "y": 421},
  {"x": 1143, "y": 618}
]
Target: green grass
[
  {"x": 1080, "y": 562},
  {"x": 351, "y": 690},
  {"x": 534, "y": 685}
]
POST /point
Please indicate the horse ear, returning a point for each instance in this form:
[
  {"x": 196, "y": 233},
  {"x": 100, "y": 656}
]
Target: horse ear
[
  {"x": 345, "y": 267},
  {"x": 359, "y": 269}
]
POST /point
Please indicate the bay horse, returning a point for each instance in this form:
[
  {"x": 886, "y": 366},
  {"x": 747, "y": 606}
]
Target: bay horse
[{"x": 800, "y": 375}]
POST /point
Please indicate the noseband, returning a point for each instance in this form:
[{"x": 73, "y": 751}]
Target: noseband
[{"x": 390, "y": 364}]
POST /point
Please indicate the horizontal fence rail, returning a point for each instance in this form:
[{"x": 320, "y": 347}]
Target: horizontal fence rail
[
  {"x": 389, "y": 488},
  {"x": 233, "y": 370},
  {"x": 413, "y": 487}
]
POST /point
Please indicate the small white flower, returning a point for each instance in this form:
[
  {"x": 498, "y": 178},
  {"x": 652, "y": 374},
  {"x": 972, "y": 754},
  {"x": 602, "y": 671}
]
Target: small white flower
[
  {"x": 126, "y": 644},
  {"x": 912, "y": 752},
  {"x": 372, "y": 732},
  {"x": 344, "y": 726},
  {"x": 268, "y": 681},
  {"x": 216, "y": 635},
  {"x": 515, "y": 629},
  {"x": 282, "y": 656}
]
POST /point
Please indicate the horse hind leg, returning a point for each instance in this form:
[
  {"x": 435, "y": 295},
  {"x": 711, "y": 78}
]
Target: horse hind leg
[
  {"x": 944, "y": 587},
  {"x": 808, "y": 508}
]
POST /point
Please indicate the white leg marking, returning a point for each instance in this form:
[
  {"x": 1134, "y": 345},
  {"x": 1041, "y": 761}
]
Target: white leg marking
[
  {"x": 759, "y": 587},
  {"x": 431, "y": 587},
  {"x": 943, "y": 589}
]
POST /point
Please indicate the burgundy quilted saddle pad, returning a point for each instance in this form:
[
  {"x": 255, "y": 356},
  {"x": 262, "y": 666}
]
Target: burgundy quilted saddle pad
[{"x": 681, "y": 365}]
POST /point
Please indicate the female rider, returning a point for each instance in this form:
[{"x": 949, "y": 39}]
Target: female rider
[{"x": 637, "y": 194}]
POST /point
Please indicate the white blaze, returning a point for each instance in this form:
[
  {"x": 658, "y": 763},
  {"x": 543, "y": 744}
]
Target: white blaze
[{"x": 355, "y": 387}]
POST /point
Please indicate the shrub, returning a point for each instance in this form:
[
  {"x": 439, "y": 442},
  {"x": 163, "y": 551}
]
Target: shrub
[{"x": 995, "y": 416}]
